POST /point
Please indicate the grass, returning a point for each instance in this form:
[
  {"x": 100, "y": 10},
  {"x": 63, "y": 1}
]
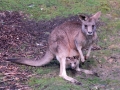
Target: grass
[
  {"x": 109, "y": 37},
  {"x": 47, "y": 9}
]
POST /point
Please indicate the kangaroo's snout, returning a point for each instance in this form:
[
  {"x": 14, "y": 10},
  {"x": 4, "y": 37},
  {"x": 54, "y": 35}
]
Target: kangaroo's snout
[{"x": 90, "y": 33}]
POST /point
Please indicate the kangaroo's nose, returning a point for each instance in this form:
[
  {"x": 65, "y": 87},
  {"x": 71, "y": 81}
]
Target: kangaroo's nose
[{"x": 90, "y": 33}]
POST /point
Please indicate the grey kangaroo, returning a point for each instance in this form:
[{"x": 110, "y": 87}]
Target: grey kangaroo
[
  {"x": 72, "y": 62},
  {"x": 68, "y": 40}
]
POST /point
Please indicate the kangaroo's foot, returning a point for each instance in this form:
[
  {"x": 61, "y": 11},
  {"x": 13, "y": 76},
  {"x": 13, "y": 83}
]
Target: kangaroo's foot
[
  {"x": 87, "y": 71},
  {"x": 70, "y": 79}
]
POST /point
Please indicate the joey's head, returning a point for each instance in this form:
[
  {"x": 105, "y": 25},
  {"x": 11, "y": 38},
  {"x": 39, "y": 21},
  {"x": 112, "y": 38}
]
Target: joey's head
[
  {"x": 72, "y": 62},
  {"x": 89, "y": 23}
]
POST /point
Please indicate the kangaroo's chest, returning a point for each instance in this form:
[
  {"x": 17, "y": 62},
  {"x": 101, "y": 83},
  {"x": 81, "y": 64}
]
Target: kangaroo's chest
[{"x": 87, "y": 43}]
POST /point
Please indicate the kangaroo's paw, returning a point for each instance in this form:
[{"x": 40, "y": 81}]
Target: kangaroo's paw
[
  {"x": 83, "y": 59},
  {"x": 86, "y": 57}
]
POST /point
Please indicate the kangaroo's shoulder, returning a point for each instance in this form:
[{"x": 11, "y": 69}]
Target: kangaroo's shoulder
[{"x": 71, "y": 24}]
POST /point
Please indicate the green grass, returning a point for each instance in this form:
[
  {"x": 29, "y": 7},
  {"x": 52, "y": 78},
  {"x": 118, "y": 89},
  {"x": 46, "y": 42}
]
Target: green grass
[
  {"x": 47, "y": 77},
  {"x": 56, "y": 83},
  {"x": 47, "y": 9}
]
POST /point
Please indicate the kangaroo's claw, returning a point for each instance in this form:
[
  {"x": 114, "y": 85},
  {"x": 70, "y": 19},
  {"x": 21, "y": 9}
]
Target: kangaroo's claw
[{"x": 77, "y": 82}]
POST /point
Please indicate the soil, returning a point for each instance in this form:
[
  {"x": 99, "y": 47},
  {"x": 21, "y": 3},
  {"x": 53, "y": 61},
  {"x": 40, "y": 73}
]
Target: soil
[{"x": 21, "y": 36}]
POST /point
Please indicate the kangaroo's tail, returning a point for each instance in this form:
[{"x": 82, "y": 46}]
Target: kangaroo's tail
[{"x": 41, "y": 62}]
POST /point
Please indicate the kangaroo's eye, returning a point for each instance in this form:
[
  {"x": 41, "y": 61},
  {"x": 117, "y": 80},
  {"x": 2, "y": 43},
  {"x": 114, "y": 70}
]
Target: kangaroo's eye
[
  {"x": 93, "y": 26},
  {"x": 75, "y": 63},
  {"x": 74, "y": 57},
  {"x": 86, "y": 26}
]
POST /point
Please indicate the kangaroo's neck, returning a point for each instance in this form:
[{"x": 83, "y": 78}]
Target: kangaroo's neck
[{"x": 89, "y": 37}]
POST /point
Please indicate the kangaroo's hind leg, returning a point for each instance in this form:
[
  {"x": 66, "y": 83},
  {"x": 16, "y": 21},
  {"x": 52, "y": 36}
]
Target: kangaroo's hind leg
[{"x": 63, "y": 73}]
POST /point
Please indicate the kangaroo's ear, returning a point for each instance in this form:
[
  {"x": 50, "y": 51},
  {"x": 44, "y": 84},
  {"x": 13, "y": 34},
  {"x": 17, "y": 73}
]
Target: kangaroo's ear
[
  {"x": 82, "y": 17},
  {"x": 97, "y": 15}
]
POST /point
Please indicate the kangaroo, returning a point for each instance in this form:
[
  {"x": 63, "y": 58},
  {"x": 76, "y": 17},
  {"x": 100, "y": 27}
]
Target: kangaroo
[
  {"x": 68, "y": 40},
  {"x": 72, "y": 62}
]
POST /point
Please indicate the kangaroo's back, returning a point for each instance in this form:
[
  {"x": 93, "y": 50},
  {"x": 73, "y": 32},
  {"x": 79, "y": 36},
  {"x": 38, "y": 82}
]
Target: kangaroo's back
[{"x": 62, "y": 38}]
